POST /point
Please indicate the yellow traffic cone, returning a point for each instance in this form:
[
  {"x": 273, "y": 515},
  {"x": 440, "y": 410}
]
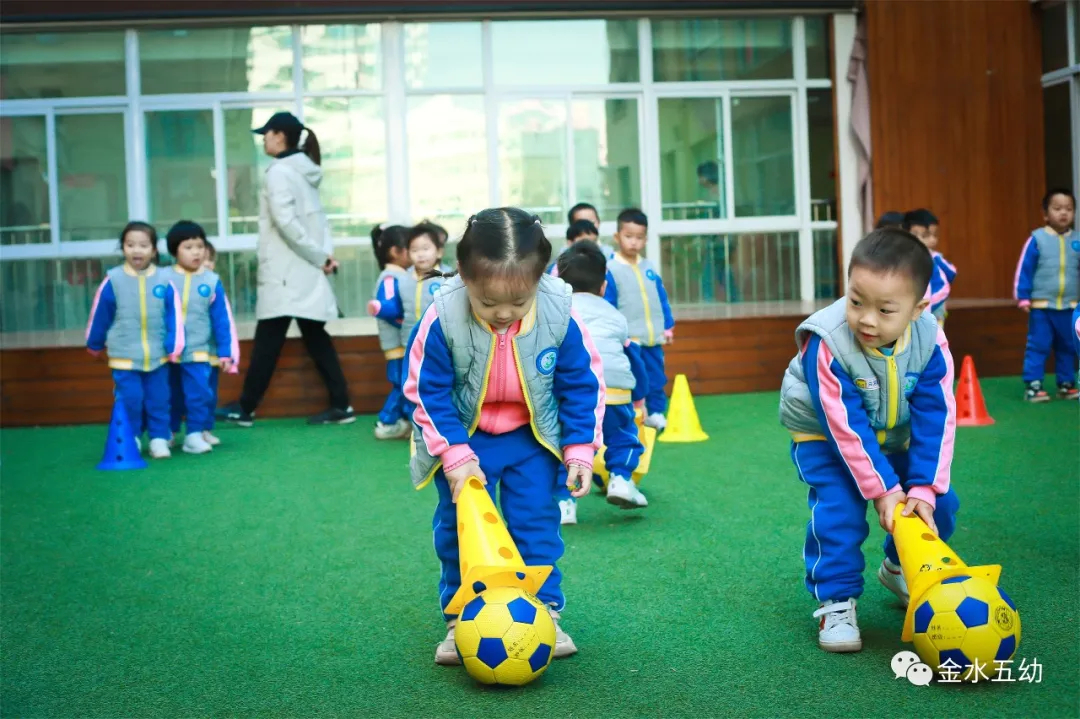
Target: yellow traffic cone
[
  {"x": 488, "y": 555},
  {"x": 926, "y": 560},
  {"x": 683, "y": 424}
]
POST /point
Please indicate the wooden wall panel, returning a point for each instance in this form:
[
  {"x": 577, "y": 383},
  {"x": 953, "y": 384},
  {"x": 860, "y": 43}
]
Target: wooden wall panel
[
  {"x": 67, "y": 386},
  {"x": 956, "y": 126}
]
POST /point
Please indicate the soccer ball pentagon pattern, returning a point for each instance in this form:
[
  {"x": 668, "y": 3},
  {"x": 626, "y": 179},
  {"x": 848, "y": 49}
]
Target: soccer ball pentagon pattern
[
  {"x": 505, "y": 636},
  {"x": 964, "y": 620}
]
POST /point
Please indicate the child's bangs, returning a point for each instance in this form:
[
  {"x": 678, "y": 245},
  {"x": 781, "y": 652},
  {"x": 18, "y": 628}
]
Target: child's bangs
[{"x": 517, "y": 277}]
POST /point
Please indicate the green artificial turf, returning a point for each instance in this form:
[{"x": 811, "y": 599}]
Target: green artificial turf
[{"x": 291, "y": 573}]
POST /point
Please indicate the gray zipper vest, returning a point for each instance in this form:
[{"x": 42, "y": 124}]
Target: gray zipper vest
[
  {"x": 126, "y": 340},
  {"x": 472, "y": 349},
  {"x": 884, "y": 383},
  {"x": 1055, "y": 280},
  {"x": 415, "y": 303},
  {"x": 608, "y": 330},
  {"x": 389, "y": 335},
  {"x": 195, "y": 290},
  {"x": 639, "y": 300}
]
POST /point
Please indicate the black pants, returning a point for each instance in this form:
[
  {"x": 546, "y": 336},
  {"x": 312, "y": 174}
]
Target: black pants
[{"x": 270, "y": 338}]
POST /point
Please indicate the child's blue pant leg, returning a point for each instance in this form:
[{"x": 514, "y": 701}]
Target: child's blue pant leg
[
  {"x": 623, "y": 449},
  {"x": 656, "y": 401},
  {"x": 129, "y": 386},
  {"x": 1040, "y": 339},
  {"x": 176, "y": 397},
  {"x": 1064, "y": 346},
  {"x": 198, "y": 396},
  {"x": 394, "y": 407},
  {"x": 561, "y": 490},
  {"x": 215, "y": 374},
  {"x": 156, "y": 401}
]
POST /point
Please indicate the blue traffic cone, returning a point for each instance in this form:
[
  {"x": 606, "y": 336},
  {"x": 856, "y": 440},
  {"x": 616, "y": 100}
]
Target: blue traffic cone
[{"x": 121, "y": 451}]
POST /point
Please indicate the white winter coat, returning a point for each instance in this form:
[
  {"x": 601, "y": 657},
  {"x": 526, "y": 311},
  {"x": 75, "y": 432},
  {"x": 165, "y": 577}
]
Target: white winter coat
[{"x": 294, "y": 243}]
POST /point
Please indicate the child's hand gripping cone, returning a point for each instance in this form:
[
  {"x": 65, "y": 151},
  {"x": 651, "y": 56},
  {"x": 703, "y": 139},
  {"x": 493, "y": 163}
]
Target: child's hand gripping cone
[{"x": 489, "y": 558}]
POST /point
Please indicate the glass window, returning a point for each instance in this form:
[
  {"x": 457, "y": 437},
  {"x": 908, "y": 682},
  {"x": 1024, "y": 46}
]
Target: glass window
[
  {"x": 92, "y": 169},
  {"x": 819, "y": 110},
  {"x": 1055, "y": 39},
  {"x": 341, "y": 57},
  {"x": 607, "y": 170},
  {"x": 443, "y": 55},
  {"x": 246, "y": 163},
  {"x": 722, "y": 49},
  {"x": 239, "y": 276},
  {"x": 532, "y": 157},
  {"x": 24, "y": 186},
  {"x": 78, "y": 64},
  {"x": 818, "y": 50},
  {"x": 762, "y": 156},
  {"x": 50, "y": 295},
  {"x": 586, "y": 52},
  {"x": 1058, "y": 125},
  {"x": 448, "y": 158},
  {"x": 826, "y": 265},
  {"x": 692, "y": 180},
  {"x": 706, "y": 269},
  {"x": 352, "y": 136},
  {"x": 180, "y": 168},
  {"x": 1076, "y": 32},
  {"x": 225, "y": 59}
]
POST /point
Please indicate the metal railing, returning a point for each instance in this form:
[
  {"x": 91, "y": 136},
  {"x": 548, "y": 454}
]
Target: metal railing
[{"x": 752, "y": 267}]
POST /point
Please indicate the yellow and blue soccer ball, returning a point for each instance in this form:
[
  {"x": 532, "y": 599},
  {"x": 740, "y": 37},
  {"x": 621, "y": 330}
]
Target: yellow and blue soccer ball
[
  {"x": 505, "y": 636},
  {"x": 965, "y": 622}
]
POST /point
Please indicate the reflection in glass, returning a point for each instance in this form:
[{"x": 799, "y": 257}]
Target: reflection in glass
[
  {"x": 448, "y": 158},
  {"x": 226, "y": 59},
  {"x": 692, "y": 184},
  {"x": 722, "y": 49},
  {"x": 1055, "y": 39},
  {"x": 762, "y": 156},
  {"x": 83, "y": 64},
  {"x": 92, "y": 168},
  {"x": 1058, "y": 124},
  {"x": 819, "y": 110},
  {"x": 246, "y": 163},
  {"x": 532, "y": 157},
  {"x": 607, "y": 170},
  {"x": 341, "y": 57},
  {"x": 50, "y": 295},
  {"x": 24, "y": 188},
  {"x": 239, "y": 276},
  {"x": 354, "y": 283},
  {"x": 180, "y": 168},
  {"x": 352, "y": 136},
  {"x": 564, "y": 52},
  {"x": 443, "y": 55},
  {"x": 818, "y": 50},
  {"x": 826, "y": 265},
  {"x": 708, "y": 269}
]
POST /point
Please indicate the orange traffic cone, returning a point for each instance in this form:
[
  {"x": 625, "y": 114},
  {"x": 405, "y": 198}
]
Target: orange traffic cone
[{"x": 970, "y": 405}]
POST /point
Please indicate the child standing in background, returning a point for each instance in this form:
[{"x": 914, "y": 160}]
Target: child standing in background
[
  {"x": 636, "y": 289},
  {"x": 208, "y": 322},
  {"x": 890, "y": 218},
  {"x": 869, "y": 403},
  {"x": 417, "y": 287},
  {"x": 136, "y": 315},
  {"x": 1046, "y": 287},
  {"x": 505, "y": 386},
  {"x": 924, "y": 225},
  {"x": 584, "y": 268},
  {"x": 391, "y": 246},
  {"x": 210, "y": 263},
  {"x": 579, "y": 230}
]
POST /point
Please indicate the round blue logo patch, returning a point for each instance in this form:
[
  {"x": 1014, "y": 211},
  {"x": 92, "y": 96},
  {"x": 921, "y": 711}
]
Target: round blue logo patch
[
  {"x": 1076, "y": 245},
  {"x": 545, "y": 361},
  {"x": 159, "y": 291},
  {"x": 650, "y": 275},
  {"x": 204, "y": 290},
  {"x": 434, "y": 288}
]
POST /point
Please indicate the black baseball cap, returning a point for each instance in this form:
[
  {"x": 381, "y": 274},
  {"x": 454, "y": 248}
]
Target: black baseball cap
[{"x": 280, "y": 122}]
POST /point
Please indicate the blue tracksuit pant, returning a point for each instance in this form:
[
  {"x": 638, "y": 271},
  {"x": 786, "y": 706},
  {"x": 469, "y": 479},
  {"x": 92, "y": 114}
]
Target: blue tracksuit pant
[
  {"x": 525, "y": 473},
  {"x": 838, "y": 526},
  {"x": 394, "y": 407},
  {"x": 146, "y": 399},
  {"x": 1050, "y": 329},
  {"x": 192, "y": 386},
  {"x": 656, "y": 400},
  {"x": 215, "y": 376},
  {"x": 622, "y": 448}
]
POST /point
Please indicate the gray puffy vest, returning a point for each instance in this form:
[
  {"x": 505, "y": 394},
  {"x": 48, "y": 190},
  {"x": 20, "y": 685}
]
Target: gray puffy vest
[
  {"x": 196, "y": 290},
  {"x": 1055, "y": 281},
  {"x": 639, "y": 300},
  {"x": 137, "y": 340},
  {"x": 607, "y": 328},
  {"x": 390, "y": 335},
  {"x": 472, "y": 349},
  {"x": 885, "y": 383},
  {"x": 416, "y": 296}
]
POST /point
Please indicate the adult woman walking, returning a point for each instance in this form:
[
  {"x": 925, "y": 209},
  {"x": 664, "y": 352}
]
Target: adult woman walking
[{"x": 295, "y": 256}]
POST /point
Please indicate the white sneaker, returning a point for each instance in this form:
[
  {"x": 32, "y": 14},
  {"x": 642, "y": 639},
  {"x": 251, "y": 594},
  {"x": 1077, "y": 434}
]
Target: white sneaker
[
  {"x": 568, "y": 510},
  {"x": 398, "y": 430},
  {"x": 656, "y": 420},
  {"x": 623, "y": 493},
  {"x": 893, "y": 579},
  {"x": 210, "y": 439},
  {"x": 446, "y": 652},
  {"x": 195, "y": 444},
  {"x": 838, "y": 630},
  {"x": 564, "y": 645},
  {"x": 159, "y": 448}
]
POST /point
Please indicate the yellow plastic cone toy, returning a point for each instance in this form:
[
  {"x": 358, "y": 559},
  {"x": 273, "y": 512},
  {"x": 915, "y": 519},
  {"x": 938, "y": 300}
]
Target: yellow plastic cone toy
[
  {"x": 489, "y": 557},
  {"x": 926, "y": 561},
  {"x": 683, "y": 424}
]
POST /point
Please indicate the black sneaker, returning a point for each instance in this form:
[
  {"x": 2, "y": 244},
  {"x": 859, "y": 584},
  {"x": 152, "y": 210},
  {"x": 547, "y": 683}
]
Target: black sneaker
[
  {"x": 233, "y": 412},
  {"x": 334, "y": 416},
  {"x": 1035, "y": 392}
]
